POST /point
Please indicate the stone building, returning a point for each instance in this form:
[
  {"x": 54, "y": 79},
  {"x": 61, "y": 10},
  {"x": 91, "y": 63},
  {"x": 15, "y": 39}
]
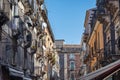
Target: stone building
[
  {"x": 27, "y": 41},
  {"x": 69, "y": 60},
  {"x": 103, "y": 41}
]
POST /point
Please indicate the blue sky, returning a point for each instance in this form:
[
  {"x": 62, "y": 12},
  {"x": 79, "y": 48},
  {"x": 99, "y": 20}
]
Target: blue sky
[{"x": 67, "y": 18}]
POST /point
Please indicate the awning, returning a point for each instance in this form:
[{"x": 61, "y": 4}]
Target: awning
[
  {"x": 14, "y": 72},
  {"x": 102, "y": 72}
]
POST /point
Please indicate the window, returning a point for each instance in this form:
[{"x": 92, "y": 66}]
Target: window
[
  {"x": 72, "y": 56},
  {"x": 72, "y": 65},
  {"x": 72, "y": 77}
]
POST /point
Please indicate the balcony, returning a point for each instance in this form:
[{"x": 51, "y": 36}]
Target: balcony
[
  {"x": 5, "y": 56},
  {"x": 33, "y": 47},
  {"x": 108, "y": 48},
  {"x": 118, "y": 43},
  {"x": 117, "y": 48},
  {"x": 49, "y": 55},
  {"x": 53, "y": 60},
  {"x": 27, "y": 42},
  {"x": 114, "y": 2},
  {"x": 112, "y": 6},
  {"x": 101, "y": 57},
  {"x": 39, "y": 56},
  {"x": 82, "y": 70},
  {"x": 93, "y": 21},
  {"x": 28, "y": 4},
  {"x": 44, "y": 12},
  {"x": 103, "y": 17},
  {"x": 9, "y": 52},
  {"x": 37, "y": 70},
  {"x": 40, "y": 1},
  {"x": 109, "y": 55},
  {"x": 86, "y": 57},
  {"x": 100, "y": 2},
  {"x": 28, "y": 21},
  {"x": 85, "y": 36}
]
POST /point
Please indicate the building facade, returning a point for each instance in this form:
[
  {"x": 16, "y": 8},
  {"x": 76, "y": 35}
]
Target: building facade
[
  {"x": 103, "y": 41},
  {"x": 27, "y": 41},
  {"x": 69, "y": 58}
]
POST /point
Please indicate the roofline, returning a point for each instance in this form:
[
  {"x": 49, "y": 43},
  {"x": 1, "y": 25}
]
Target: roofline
[
  {"x": 50, "y": 31},
  {"x": 86, "y": 16}
]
